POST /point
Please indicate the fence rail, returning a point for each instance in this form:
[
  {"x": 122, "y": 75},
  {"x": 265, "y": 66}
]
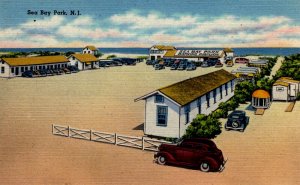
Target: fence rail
[{"x": 143, "y": 143}]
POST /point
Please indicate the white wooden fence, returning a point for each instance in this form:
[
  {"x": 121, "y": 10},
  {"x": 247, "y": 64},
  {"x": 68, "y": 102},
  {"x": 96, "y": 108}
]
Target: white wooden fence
[{"x": 143, "y": 143}]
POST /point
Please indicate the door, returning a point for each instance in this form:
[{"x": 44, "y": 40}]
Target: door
[
  {"x": 292, "y": 89},
  {"x": 17, "y": 71}
]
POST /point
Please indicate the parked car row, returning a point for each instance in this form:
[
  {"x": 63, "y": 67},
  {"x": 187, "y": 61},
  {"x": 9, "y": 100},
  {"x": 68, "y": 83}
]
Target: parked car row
[
  {"x": 49, "y": 72},
  {"x": 117, "y": 62}
]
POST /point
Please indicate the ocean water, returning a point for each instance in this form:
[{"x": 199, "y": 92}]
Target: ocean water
[{"x": 145, "y": 51}]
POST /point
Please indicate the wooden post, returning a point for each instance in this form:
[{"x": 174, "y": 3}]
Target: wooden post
[
  {"x": 69, "y": 130},
  {"x": 91, "y": 135},
  {"x": 116, "y": 139},
  {"x": 143, "y": 143},
  {"x": 52, "y": 128}
]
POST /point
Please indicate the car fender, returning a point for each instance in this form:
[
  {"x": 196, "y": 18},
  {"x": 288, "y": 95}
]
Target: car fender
[{"x": 169, "y": 156}]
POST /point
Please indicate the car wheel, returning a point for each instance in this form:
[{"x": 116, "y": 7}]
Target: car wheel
[
  {"x": 205, "y": 167},
  {"x": 162, "y": 160},
  {"x": 235, "y": 124}
]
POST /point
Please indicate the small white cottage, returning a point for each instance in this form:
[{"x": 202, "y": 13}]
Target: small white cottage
[
  {"x": 285, "y": 89},
  {"x": 170, "y": 110},
  {"x": 84, "y": 61},
  {"x": 159, "y": 51},
  {"x": 90, "y": 50}
]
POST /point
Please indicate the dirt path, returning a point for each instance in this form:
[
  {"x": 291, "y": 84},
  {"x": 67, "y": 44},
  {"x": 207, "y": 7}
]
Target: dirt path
[{"x": 277, "y": 66}]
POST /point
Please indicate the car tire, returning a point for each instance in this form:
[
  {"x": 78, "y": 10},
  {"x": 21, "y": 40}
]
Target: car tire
[
  {"x": 235, "y": 124},
  {"x": 205, "y": 166},
  {"x": 162, "y": 160}
]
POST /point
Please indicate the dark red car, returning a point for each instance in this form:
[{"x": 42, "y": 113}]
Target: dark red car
[{"x": 198, "y": 152}]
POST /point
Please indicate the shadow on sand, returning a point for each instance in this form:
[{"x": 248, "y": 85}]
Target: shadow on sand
[{"x": 139, "y": 127}]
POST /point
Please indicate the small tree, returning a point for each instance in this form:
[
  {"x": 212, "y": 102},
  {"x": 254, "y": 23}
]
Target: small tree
[{"x": 111, "y": 56}]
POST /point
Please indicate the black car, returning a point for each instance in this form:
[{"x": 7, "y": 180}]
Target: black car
[
  {"x": 182, "y": 66},
  {"x": 159, "y": 66},
  {"x": 28, "y": 74},
  {"x": 127, "y": 61},
  {"x": 191, "y": 67},
  {"x": 150, "y": 62},
  {"x": 174, "y": 67},
  {"x": 49, "y": 72},
  {"x": 73, "y": 69},
  {"x": 43, "y": 72},
  {"x": 237, "y": 120}
]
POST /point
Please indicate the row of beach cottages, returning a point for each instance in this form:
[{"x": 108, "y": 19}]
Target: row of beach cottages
[
  {"x": 169, "y": 110},
  {"x": 13, "y": 67},
  {"x": 157, "y": 52}
]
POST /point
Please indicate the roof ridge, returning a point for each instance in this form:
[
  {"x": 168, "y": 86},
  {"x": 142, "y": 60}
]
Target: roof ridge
[{"x": 192, "y": 78}]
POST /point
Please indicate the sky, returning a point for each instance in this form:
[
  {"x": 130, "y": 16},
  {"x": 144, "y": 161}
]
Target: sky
[{"x": 143, "y": 23}]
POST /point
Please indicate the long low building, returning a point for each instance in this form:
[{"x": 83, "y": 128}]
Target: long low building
[
  {"x": 170, "y": 110},
  {"x": 12, "y": 67},
  {"x": 157, "y": 52}
]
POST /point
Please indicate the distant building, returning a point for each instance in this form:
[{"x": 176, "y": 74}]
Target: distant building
[
  {"x": 200, "y": 55},
  {"x": 12, "y": 67},
  {"x": 285, "y": 89},
  {"x": 158, "y": 51},
  {"x": 84, "y": 61},
  {"x": 170, "y": 110},
  {"x": 229, "y": 52},
  {"x": 246, "y": 73},
  {"x": 90, "y": 50},
  {"x": 261, "y": 99},
  {"x": 258, "y": 63}
]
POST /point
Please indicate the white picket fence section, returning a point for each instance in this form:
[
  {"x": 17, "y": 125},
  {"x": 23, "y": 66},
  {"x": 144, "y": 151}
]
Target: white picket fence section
[{"x": 143, "y": 143}]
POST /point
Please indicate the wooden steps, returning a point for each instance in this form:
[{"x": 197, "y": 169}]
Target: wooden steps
[
  {"x": 290, "y": 107},
  {"x": 259, "y": 111}
]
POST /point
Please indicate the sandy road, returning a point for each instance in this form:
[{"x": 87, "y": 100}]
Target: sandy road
[{"x": 266, "y": 153}]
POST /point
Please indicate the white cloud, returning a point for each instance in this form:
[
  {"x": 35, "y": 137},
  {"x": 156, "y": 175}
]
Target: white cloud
[
  {"x": 47, "y": 23},
  {"x": 10, "y": 33},
  {"x": 152, "y": 20},
  {"x": 133, "y": 29}
]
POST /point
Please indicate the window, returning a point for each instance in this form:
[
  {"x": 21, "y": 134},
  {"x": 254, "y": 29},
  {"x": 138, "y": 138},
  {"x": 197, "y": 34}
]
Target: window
[
  {"x": 199, "y": 105},
  {"x": 2, "y": 62},
  {"x": 12, "y": 70},
  {"x": 159, "y": 99},
  {"x": 231, "y": 85},
  {"x": 2, "y": 70},
  {"x": 162, "y": 115},
  {"x": 279, "y": 89},
  {"x": 187, "y": 110},
  {"x": 215, "y": 95},
  {"x": 226, "y": 89},
  {"x": 22, "y": 69},
  {"x": 221, "y": 94},
  {"x": 26, "y": 68},
  {"x": 207, "y": 98},
  {"x": 89, "y": 51},
  {"x": 73, "y": 58}
]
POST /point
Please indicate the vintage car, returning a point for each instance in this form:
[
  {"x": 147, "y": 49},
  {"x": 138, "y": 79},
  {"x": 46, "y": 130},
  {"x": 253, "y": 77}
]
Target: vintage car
[
  {"x": 229, "y": 63},
  {"x": 159, "y": 66},
  {"x": 219, "y": 64},
  {"x": 237, "y": 120},
  {"x": 197, "y": 152}
]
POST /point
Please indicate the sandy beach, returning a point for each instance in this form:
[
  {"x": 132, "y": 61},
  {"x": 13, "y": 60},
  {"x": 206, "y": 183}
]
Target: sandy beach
[{"x": 103, "y": 99}]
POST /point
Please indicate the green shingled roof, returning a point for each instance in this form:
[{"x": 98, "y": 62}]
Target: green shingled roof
[{"x": 189, "y": 90}]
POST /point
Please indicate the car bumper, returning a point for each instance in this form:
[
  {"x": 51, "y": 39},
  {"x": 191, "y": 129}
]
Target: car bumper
[{"x": 222, "y": 166}]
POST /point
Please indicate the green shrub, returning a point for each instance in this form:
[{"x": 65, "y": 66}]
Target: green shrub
[{"x": 203, "y": 126}]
